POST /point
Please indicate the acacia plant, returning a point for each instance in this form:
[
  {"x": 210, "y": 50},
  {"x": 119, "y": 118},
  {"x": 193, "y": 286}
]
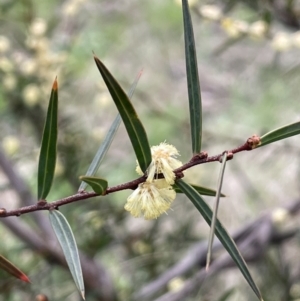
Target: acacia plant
[{"x": 161, "y": 174}]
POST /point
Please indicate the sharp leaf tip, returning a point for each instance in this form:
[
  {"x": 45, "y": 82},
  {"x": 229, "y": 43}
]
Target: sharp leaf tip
[{"x": 55, "y": 85}]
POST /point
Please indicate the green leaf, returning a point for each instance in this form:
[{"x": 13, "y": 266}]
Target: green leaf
[
  {"x": 284, "y": 132},
  {"x": 202, "y": 190},
  {"x": 48, "y": 147},
  {"x": 221, "y": 233},
  {"x": 215, "y": 212},
  {"x": 133, "y": 125},
  {"x": 10, "y": 268},
  {"x": 107, "y": 140},
  {"x": 67, "y": 242},
  {"x": 99, "y": 185},
  {"x": 101, "y": 151},
  {"x": 193, "y": 83}
]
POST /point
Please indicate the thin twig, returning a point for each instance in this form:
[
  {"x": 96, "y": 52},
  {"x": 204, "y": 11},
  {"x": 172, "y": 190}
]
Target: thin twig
[{"x": 198, "y": 159}]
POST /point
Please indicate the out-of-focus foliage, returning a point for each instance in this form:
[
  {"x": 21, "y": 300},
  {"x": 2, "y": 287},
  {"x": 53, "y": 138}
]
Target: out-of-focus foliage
[
  {"x": 68, "y": 244},
  {"x": 248, "y": 60}
]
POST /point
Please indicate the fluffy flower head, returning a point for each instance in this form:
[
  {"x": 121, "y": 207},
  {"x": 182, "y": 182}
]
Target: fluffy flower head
[
  {"x": 150, "y": 199},
  {"x": 163, "y": 161}
]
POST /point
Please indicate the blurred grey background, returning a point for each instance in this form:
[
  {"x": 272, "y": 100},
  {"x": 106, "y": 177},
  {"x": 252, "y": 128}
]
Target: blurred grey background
[{"x": 248, "y": 59}]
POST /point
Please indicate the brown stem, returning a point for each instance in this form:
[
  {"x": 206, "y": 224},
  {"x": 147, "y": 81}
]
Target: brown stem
[{"x": 201, "y": 158}]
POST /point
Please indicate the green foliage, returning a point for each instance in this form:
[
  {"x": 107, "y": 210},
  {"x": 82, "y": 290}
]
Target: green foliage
[
  {"x": 107, "y": 141},
  {"x": 134, "y": 127},
  {"x": 10, "y": 268},
  {"x": 201, "y": 190},
  {"x": 48, "y": 147},
  {"x": 108, "y": 219},
  {"x": 192, "y": 80},
  {"x": 215, "y": 212},
  {"x": 280, "y": 133},
  {"x": 102, "y": 151},
  {"x": 99, "y": 185},
  {"x": 221, "y": 233},
  {"x": 68, "y": 244}
]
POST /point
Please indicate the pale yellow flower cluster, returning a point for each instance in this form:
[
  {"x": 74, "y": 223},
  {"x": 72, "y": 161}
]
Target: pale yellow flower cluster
[
  {"x": 11, "y": 144},
  {"x": 40, "y": 62},
  {"x": 191, "y": 2},
  {"x": 6, "y": 65},
  {"x": 155, "y": 196},
  {"x": 163, "y": 161},
  {"x": 258, "y": 30},
  {"x": 283, "y": 41},
  {"x": 44, "y": 64},
  {"x": 149, "y": 200},
  {"x": 72, "y": 8},
  {"x": 237, "y": 28},
  {"x": 211, "y": 12},
  {"x": 4, "y": 44},
  {"x": 234, "y": 28}
]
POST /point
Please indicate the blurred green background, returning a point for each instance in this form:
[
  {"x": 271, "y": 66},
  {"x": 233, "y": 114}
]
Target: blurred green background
[{"x": 248, "y": 57}]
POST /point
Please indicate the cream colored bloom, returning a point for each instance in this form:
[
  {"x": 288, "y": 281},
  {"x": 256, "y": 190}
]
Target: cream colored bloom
[
  {"x": 279, "y": 216},
  {"x": 9, "y": 82},
  {"x": 175, "y": 284},
  {"x": 234, "y": 28},
  {"x": 281, "y": 42},
  {"x": 163, "y": 161},
  {"x": 191, "y": 2},
  {"x": 4, "y": 44},
  {"x": 71, "y": 8},
  {"x": 6, "y": 65},
  {"x": 28, "y": 67},
  {"x": 211, "y": 12},
  {"x": 296, "y": 39},
  {"x": 258, "y": 29},
  {"x": 38, "y": 27},
  {"x": 31, "y": 94},
  {"x": 150, "y": 200},
  {"x": 11, "y": 144}
]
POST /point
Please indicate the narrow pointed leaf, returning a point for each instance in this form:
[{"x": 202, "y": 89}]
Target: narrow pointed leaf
[
  {"x": 107, "y": 140},
  {"x": 221, "y": 233},
  {"x": 99, "y": 185},
  {"x": 202, "y": 190},
  {"x": 284, "y": 132},
  {"x": 47, "y": 158},
  {"x": 193, "y": 83},
  {"x": 10, "y": 268},
  {"x": 101, "y": 151},
  {"x": 133, "y": 125},
  {"x": 215, "y": 212},
  {"x": 68, "y": 244}
]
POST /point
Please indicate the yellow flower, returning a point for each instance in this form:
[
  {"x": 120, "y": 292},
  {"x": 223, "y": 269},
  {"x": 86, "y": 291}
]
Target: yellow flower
[
  {"x": 31, "y": 94},
  {"x": 296, "y": 39},
  {"x": 258, "y": 29},
  {"x": 38, "y": 27},
  {"x": 9, "y": 82},
  {"x": 4, "y": 44},
  {"x": 11, "y": 144},
  {"x": 163, "y": 161},
  {"x": 150, "y": 199},
  {"x": 211, "y": 12},
  {"x": 234, "y": 28},
  {"x": 281, "y": 42}
]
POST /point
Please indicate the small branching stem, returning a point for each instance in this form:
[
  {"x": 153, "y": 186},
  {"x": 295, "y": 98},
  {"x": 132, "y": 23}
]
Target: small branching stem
[{"x": 197, "y": 159}]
